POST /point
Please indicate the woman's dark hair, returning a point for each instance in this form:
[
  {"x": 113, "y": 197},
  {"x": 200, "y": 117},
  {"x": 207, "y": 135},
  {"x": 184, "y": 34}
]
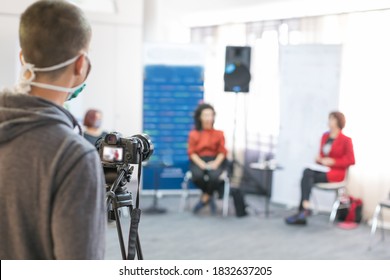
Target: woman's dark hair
[
  {"x": 198, "y": 112},
  {"x": 90, "y": 117},
  {"x": 340, "y": 118}
]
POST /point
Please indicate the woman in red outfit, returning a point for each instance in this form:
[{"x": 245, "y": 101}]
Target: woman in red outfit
[
  {"x": 207, "y": 153},
  {"x": 336, "y": 152}
]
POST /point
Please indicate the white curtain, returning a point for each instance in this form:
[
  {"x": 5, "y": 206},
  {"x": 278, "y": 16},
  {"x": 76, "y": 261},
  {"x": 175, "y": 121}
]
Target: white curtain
[{"x": 365, "y": 99}]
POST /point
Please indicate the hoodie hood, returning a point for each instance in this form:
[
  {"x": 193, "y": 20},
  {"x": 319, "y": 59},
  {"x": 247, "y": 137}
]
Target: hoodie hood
[{"x": 20, "y": 113}]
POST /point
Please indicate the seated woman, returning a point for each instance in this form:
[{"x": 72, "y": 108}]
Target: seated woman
[
  {"x": 92, "y": 123},
  {"x": 336, "y": 152},
  {"x": 207, "y": 153}
]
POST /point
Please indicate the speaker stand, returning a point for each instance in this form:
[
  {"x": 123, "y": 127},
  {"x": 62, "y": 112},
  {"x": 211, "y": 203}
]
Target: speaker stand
[{"x": 234, "y": 159}]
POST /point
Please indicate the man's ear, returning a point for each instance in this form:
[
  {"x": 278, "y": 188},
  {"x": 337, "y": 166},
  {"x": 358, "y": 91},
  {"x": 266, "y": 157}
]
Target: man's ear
[
  {"x": 79, "y": 65},
  {"x": 21, "y": 57}
]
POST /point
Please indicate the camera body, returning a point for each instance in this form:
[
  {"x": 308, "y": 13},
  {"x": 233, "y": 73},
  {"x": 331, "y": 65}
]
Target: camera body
[{"x": 115, "y": 150}]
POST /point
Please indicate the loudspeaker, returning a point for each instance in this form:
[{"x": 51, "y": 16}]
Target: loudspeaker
[{"x": 237, "y": 69}]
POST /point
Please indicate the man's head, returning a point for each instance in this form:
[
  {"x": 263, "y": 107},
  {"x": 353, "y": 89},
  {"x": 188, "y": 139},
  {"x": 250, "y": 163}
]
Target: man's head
[
  {"x": 52, "y": 32},
  {"x": 93, "y": 118}
]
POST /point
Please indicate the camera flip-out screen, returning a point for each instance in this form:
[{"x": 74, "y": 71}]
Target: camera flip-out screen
[{"x": 112, "y": 154}]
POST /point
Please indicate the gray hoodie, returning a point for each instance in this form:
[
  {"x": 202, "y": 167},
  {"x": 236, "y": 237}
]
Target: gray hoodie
[{"x": 51, "y": 184}]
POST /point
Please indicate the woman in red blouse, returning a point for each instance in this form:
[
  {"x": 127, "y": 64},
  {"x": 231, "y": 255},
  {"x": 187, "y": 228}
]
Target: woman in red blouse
[
  {"x": 336, "y": 153},
  {"x": 207, "y": 153}
]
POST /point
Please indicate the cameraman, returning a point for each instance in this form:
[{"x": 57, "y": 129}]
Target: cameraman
[{"x": 51, "y": 179}]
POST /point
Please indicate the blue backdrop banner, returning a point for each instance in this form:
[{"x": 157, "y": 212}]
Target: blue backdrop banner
[{"x": 171, "y": 94}]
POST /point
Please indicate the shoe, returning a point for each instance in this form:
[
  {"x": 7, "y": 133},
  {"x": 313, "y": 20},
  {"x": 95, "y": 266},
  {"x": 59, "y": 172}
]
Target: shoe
[
  {"x": 213, "y": 207},
  {"x": 297, "y": 219},
  {"x": 198, "y": 206}
]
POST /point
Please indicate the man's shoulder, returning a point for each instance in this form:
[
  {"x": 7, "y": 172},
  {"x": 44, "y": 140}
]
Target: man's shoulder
[
  {"x": 76, "y": 153},
  {"x": 79, "y": 143},
  {"x": 64, "y": 139}
]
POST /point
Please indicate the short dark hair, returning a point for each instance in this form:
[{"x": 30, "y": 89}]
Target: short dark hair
[
  {"x": 340, "y": 118},
  {"x": 198, "y": 112},
  {"x": 51, "y": 32},
  {"x": 90, "y": 117}
]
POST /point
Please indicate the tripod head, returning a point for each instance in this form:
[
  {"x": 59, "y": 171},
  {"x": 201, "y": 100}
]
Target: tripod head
[
  {"x": 111, "y": 174},
  {"x": 117, "y": 194}
]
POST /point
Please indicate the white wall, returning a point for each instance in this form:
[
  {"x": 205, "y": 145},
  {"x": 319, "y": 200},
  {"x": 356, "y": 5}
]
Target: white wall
[
  {"x": 365, "y": 100},
  {"x": 9, "y": 46},
  {"x": 115, "y": 82},
  {"x": 8, "y": 49}
]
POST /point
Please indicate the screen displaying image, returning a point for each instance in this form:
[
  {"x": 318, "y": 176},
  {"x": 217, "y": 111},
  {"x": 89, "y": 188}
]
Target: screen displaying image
[{"x": 112, "y": 154}]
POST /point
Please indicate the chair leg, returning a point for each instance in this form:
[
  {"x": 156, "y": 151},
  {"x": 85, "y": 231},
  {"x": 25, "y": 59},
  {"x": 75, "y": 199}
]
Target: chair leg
[
  {"x": 374, "y": 224},
  {"x": 339, "y": 193},
  {"x": 382, "y": 223},
  {"x": 315, "y": 202},
  {"x": 225, "y": 205},
  {"x": 184, "y": 195},
  {"x": 336, "y": 205}
]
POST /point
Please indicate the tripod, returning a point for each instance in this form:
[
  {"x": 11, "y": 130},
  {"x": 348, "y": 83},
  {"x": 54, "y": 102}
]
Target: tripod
[
  {"x": 118, "y": 197},
  {"x": 235, "y": 162}
]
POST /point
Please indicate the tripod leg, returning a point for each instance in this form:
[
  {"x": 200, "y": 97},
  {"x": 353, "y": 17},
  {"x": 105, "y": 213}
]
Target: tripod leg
[
  {"x": 137, "y": 241},
  {"x": 138, "y": 248},
  {"x": 120, "y": 234}
]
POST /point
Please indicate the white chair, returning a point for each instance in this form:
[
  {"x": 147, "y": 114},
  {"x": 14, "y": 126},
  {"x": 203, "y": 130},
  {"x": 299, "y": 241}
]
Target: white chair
[
  {"x": 340, "y": 189},
  {"x": 378, "y": 214},
  {"x": 186, "y": 192}
]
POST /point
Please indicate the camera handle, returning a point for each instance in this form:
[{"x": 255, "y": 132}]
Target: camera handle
[{"x": 125, "y": 200}]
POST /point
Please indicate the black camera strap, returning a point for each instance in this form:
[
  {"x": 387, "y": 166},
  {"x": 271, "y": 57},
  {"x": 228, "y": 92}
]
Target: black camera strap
[{"x": 135, "y": 219}]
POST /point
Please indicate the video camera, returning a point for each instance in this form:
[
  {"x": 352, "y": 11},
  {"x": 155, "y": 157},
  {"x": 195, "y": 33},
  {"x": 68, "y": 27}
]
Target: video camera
[{"x": 117, "y": 152}]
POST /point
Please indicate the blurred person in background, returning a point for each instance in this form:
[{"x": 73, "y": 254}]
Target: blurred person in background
[
  {"x": 336, "y": 154},
  {"x": 92, "y": 123},
  {"x": 207, "y": 153}
]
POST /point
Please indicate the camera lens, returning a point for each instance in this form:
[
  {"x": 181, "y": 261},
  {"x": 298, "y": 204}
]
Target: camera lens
[{"x": 147, "y": 147}]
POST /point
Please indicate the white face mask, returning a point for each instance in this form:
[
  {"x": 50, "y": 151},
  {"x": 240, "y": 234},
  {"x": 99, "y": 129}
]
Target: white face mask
[{"x": 29, "y": 69}]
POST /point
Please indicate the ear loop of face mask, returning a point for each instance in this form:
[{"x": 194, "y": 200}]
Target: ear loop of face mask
[{"x": 29, "y": 69}]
